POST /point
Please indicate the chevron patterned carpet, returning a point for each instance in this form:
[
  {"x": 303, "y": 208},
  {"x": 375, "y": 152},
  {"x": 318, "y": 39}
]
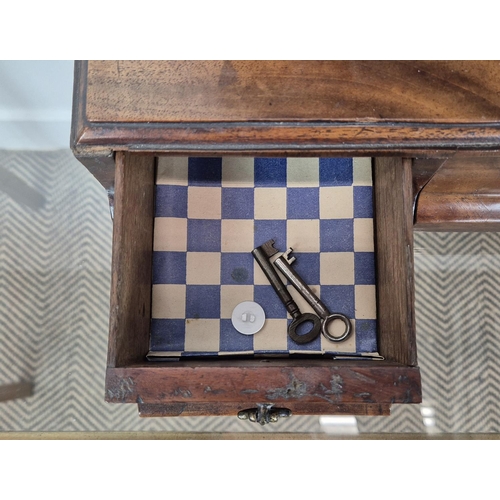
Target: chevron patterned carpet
[
  {"x": 55, "y": 252},
  {"x": 457, "y": 278}
]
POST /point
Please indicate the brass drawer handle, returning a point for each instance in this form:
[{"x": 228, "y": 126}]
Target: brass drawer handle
[{"x": 264, "y": 413}]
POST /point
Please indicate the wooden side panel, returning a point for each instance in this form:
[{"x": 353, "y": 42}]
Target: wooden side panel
[
  {"x": 130, "y": 310},
  {"x": 464, "y": 195},
  {"x": 99, "y": 160},
  {"x": 217, "y": 91},
  {"x": 393, "y": 198}
]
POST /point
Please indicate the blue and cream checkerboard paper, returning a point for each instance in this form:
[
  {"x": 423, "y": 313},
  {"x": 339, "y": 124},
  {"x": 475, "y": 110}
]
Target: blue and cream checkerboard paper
[{"x": 212, "y": 212}]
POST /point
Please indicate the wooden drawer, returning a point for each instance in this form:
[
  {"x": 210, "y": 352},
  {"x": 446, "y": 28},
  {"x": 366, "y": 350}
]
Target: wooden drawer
[{"x": 308, "y": 385}]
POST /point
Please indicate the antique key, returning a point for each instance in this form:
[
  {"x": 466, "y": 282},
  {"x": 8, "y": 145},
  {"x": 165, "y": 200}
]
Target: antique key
[
  {"x": 262, "y": 255},
  {"x": 283, "y": 263}
]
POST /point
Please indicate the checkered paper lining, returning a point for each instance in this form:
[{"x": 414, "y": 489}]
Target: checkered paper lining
[{"x": 211, "y": 213}]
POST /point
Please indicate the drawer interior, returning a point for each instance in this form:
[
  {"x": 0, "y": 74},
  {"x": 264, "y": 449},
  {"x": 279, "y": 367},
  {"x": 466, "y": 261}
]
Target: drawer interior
[
  {"x": 210, "y": 213},
  {"x": 302, "y": 377}
]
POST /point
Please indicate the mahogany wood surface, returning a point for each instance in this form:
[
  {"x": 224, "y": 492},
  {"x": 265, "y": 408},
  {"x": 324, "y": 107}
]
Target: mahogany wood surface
[
  {"x": 285, "y": 139},
  {"x": 285, "y": 108},
  {"x": 242, "y": 91},
  {"x": 393, "y": 200},
  {"x": 248, "y": 383},
  {"x": 131, "y": 266},
  {"x": 419, "y": 109},
  {"x": 423, "y": 169},
  {"x": 462, "y": 195}
]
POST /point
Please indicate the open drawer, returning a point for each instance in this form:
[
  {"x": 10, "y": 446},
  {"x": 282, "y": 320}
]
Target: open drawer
[{"x": 301, "y": 383}]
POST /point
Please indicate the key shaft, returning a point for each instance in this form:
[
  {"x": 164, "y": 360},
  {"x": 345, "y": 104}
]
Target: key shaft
[
  {"x": 300, "y": 285},
  {"x": 261, "y": 255}
]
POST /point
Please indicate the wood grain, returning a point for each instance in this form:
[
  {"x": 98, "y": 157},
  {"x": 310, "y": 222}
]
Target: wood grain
[
  {"x": 463, "y": 195},
  {"x": 287, "y": 108},
  {"x": 422, "y": 171},
  {"x": 130, "y": 309},
  {"x": 214, "y": 91},
  {"x": 393, "y": 200},
  {"x": 248, "y": 383},
  {"x": 280, "y": 139}
]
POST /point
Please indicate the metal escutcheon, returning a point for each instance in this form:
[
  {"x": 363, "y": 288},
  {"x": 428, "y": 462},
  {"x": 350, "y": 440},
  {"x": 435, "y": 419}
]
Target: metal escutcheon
[{"x": 265, "y": 413}]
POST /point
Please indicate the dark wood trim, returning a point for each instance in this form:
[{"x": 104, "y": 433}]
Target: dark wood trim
[
  {"x": 130, "y": 309},
  {"x": 79, "y": 121},
  {"x": 393, "y": 200},
  {"x": 231, "y": 409},
  {"x": 99, "y": 160},
  {"x": 463, "y": 195},
  {"x": 324, "y": 138},
  {"x": 446, "y": 226},
  {"x": 248, "y": 383},
  {"x": 423, "y": 169}
]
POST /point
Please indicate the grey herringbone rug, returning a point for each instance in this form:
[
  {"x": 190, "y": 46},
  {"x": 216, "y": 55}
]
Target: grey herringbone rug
[
  {"x": 55, "y": 250},
  {"x": 55, "y": 257},
  {"x": 457, "y": 279}
]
